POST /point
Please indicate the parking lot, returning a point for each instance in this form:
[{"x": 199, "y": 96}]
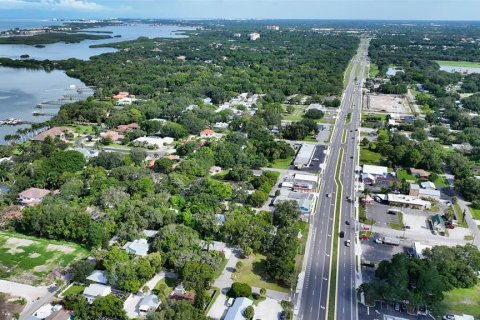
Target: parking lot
[
  {"x": 378, "y": 212},
  {"x": 317, "y": 159}
]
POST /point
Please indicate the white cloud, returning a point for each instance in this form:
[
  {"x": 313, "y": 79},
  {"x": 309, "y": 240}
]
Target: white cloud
[{"x": 51, "y": 4}]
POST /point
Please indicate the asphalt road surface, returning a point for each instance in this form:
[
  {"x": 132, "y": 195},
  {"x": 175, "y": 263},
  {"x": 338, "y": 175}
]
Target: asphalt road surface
[{"x": 313, "y": 299}]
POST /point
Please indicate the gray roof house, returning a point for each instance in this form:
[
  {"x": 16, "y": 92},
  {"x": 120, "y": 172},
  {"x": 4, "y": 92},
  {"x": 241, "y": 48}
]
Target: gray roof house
[
  {"x": 149, "y": 303},
  {"x": 236, "y": 311},
  {"x": 137, "y": 247},
  {"x": 96, "y": 290},
  {"x": 98, "y": 276}
]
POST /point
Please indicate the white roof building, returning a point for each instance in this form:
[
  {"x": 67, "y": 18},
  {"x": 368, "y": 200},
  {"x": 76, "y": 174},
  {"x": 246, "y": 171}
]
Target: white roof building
[
  {"x": 98, "y": 276},
  {"x": 154, "y": 141},
  {"x": 428, "y": 185},
  {"x": 375, "y": 170},
  {"x": 404, "y": 200},
  {"x": 137, "y": 247},
  {"x": 304, "y": 156},
  {"x": 148, "y": 303},
  {"x": 236, "y": 311},
  {"x": 419, "y": 248},
  {"x": 96, "y": 290}
]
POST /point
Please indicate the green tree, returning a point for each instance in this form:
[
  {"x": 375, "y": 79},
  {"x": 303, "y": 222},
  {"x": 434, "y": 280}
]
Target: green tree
[
  {"x": 249, "y": 312},
  {"x": 239, "y": 289}
]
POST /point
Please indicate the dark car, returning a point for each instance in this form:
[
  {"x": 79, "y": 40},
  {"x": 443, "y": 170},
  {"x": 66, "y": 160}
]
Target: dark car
[
  {"x": 347, "y": 222},
  {"x": 282, "y": 315},
  {"x": 397, "y": 306},
  {"x": 444, "y": 218},
  {"x": 403, "y": 307},
  {"x": 341, "y": 234},
  {"x": 449, "y": 226}
]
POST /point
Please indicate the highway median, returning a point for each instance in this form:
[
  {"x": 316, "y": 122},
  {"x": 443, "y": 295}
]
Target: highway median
[{"x": 334, "y": 260}]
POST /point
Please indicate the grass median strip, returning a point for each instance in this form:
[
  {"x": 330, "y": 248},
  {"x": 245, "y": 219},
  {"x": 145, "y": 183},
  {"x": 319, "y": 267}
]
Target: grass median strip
[
  {"x": 333, "y": 261},
  {"x": 344, "y": 136}
]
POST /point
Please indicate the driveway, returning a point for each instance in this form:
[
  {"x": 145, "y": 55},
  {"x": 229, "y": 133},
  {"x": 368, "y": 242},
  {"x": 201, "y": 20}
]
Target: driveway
[
  {"x": 131, "y": 305},
  {"x": 269, "y": 309},
  {"x": 224, "y": 282}
]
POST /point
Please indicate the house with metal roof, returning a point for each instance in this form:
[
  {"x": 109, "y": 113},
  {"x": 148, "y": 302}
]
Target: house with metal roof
[
  {"x": 137, "y": 247},
  {"x": 149, "y": 303},
  {"x": 236, "y": 311},
  {"x": 96, "y": 290},
  {"x": 98, "y": 276},
  {"x": 304, "y": 155}
]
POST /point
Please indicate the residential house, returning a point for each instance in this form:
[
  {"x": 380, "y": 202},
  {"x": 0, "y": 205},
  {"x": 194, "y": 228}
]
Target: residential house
[
  {"x": 122, "y": 95},
  {"x": 124, "y": 128},
  {"x": 214, "y": 170},
  {"x": 207, "y": 133},
  {"x": 220, "y": 126},
  {"x": 253, "y": 36},
  {"x": 96, "y": 290},
  {"x": 115, "y": 136},
  {"x": 428, "y": 185},
  {"x": 98, "y": 276},
  {"x": 179, "y": 293},
  {"x": 235, "y": 312},
  {"x": 55, "y": 132},
  {"x": 60, "y": 315},
  {"x": 32, "y": 196},
  {"x": 420, "y": 173},
  {"x": 149, "y": 303},
  {"x": 154, "y": 141},
  {"x": 137, "y": 247}
]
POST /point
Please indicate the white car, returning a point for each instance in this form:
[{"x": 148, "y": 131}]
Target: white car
[
  {"x": 230, "y": 302},
  {"x": 378, "y": 240},
  {"x": 347, "y": 243}
]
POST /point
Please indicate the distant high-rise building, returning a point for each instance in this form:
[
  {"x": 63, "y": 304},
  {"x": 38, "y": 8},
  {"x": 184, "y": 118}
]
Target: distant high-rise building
[
  {"x": 273, "y": 28},
  {"x": 253, "y": 36}
]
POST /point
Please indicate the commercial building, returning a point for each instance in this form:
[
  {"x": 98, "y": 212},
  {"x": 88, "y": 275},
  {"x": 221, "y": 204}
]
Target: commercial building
[
  {"x": 416, "y": 191},
  {"x": 407, "y": 201},
  {"x": 304, "y": 183},
  {"x": 375, "y": 170},
  {"x": 304, "y": 156},
  {"x": 419, "y": 248}
]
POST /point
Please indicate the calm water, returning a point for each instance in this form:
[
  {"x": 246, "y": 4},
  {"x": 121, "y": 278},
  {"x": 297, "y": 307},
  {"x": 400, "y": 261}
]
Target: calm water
[
  {"x": 82, "y": 50},
  {"x": 7, "y": 24},
  {"x": 21, "y": 90}
]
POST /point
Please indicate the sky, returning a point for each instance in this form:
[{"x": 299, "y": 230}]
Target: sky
[{"x": 248, "y": 9}]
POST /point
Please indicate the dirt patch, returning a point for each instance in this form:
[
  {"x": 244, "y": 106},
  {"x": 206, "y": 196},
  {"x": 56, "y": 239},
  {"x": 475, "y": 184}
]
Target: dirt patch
[
  {"x": 42, "y": 268},
  {"x": 388, "y": 103},
  {"x": 14, "y": 244},
  {"x": 61, "y": 248},
  {"x": 34, "y": 255}
]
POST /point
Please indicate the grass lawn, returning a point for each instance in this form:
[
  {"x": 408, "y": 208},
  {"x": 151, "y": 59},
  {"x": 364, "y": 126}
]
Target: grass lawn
[
  {"x": 441, "y": 182},
  {"x": 458, "y": 63},
  {"x": 73, "y": 290},
  {"x": 370, "y": 157},
  {"x": 165, "y": 284},
  {"x": 219, "y": 271},
  {"x": 459, "y": 215},
  {"x": 253, "y": 273},
  {"x": 403, "y": 174},
  {"x": 373, "y": 70},
  {"x": 310, "y": 139},
  {"x": 296, "y": 115},
  {"x": 475, "y": 213},
  {"x": 399, "y": 224},
  {"x": 347, "y": 74},
  {"x": 81, "y": 129},
  {"x": 381, "y": 116},
  {"x": 362, "y": 215},
  {"x": 460, "y": 301},
  {"x": 282, "y": 163},
  {"x": 30, "y": 260}
]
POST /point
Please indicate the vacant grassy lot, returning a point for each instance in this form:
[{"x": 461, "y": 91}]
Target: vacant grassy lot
[
  {"x": 73, "y": 290},
  {"x": 282, "y": 163},
  {"x": 30, "y": 260},
  {"x": 403, "y": 174},
  {"x": 373, "y": 70},
  {"x": 253, "y": 273},
  {"x": 370, "y": 157},
  {"x": 296, "y": 115},
  {"x": 458, "y": 63},
  {"x": 460, "y": 301}
]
